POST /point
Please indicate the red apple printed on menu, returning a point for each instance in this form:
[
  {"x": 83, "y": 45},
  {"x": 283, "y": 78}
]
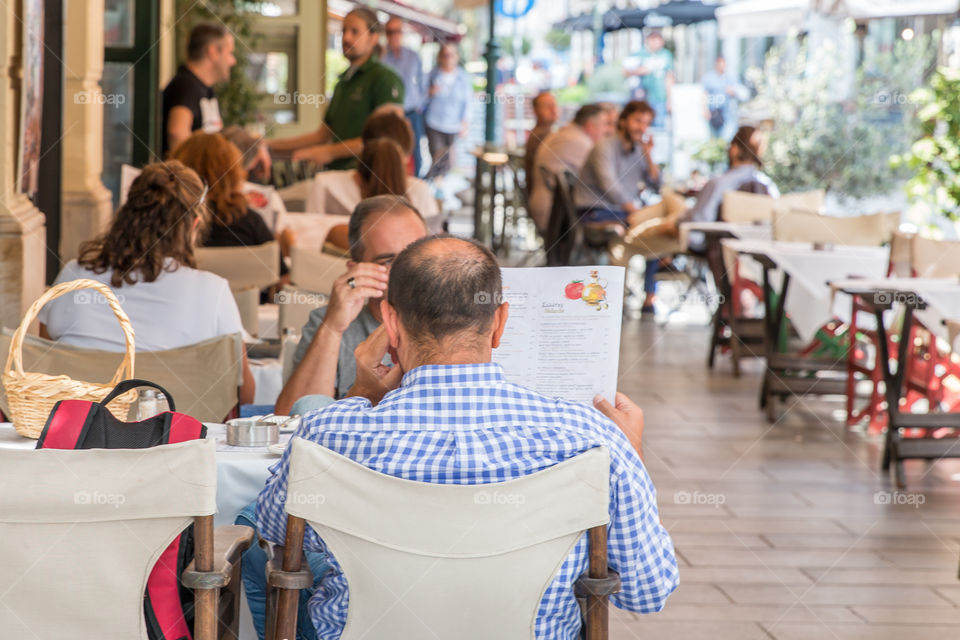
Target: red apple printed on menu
[{"x": 574, "y": 290}]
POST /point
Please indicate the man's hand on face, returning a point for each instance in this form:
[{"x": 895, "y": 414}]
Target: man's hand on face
[
  {"x": 369, "y": 280},
  {"x": 646, "y": 143},
  {"x": 626, "y": 415},
  {"x": 375, "y": 379}
]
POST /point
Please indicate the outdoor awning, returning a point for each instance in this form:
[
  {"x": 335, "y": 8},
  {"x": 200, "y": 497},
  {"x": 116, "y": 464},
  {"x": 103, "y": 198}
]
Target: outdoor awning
[
  {"x": 865, "y": 9},
  {"x": 670, "y": 13},
  {"x": 749, "y": 18},
  {"x": 754, "y": 18}
]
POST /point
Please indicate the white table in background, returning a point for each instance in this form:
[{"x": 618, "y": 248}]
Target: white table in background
[
  {"x": 810, "y": 301},
  {"x": 936, "y": 303}
]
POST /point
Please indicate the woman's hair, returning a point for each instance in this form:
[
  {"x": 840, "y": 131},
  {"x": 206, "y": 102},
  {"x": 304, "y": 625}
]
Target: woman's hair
[
  {"x": 155, "y": 223},
  {"x": 748, "y": 141},
  {"x": 220, "y": 165},
  {"x": 382, "y": 169},
  {"x": 387, "y": 123}
]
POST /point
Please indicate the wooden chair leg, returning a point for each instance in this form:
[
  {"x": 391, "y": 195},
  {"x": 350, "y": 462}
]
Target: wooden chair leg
[{"x": 207, "y": 601}]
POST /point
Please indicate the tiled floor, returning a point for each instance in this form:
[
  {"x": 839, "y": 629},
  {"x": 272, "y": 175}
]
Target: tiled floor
[{"x": 783, "y": 531}]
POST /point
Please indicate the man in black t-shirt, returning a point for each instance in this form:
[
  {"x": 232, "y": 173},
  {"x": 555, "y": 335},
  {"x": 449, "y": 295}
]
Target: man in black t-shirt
[{"x": 188, "y": 101}]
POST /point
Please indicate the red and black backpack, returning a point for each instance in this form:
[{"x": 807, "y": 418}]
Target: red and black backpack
[{"x": 79, "y": 424}]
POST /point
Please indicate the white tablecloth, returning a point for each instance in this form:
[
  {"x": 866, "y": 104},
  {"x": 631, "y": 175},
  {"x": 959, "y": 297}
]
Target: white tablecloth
[
  {"x": 268, "y": 378},
  {"x": 810, "y": 300},
  {"x": 941, "y": 295}
]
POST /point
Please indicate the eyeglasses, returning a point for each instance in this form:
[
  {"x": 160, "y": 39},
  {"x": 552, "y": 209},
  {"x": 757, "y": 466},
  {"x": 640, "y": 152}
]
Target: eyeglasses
[{"x": 393, "y": 32}]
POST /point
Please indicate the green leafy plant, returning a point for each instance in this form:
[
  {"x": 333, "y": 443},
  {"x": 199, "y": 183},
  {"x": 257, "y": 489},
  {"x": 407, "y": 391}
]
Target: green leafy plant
[
  {"x": 238, "y": 97},
  {"x": 834, "y": 130},
  {"x": 934, "y": 158}
]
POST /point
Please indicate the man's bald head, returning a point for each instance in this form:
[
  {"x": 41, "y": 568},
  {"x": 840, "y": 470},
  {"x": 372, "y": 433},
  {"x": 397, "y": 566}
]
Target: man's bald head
[{"x": 442, "y": 286}]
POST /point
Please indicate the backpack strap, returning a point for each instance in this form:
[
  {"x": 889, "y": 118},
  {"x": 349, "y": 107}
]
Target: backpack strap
[
  {"x": 133, "y": 383},
  {"x": 67, "y": 424}
]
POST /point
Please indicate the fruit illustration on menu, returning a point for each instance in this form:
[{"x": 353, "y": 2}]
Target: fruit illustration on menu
[{"x": 593, "y": 293}]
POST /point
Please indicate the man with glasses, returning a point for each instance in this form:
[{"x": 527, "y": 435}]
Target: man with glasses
[
  {"x": 408, "y": 66},
  {"x": 380, "y": 228},
  {"x": 362, "y": 89}
]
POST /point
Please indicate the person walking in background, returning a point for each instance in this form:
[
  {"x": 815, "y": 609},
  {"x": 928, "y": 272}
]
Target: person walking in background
[
  {"x": 656, "y": 75},
  {"x": 406, "y": 63},
  {"x": 189, "y": 102},
  {"x": 547, "y": 113},
  {"x": 724, "y": 93},
  {"x": 449, "y": 93}
]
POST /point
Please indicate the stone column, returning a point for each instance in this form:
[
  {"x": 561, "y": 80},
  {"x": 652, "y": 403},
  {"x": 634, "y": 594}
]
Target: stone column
[
  {"x": 87, "y": 204},
  {"x": 22, "y": 231}
]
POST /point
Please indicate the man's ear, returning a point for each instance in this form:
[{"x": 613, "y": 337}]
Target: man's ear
[
  {"x": 391, "y": 322},
  {"x": 499, "y": 323}
]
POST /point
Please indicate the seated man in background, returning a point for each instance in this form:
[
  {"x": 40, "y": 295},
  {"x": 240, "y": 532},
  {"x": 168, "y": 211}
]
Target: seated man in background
[
  {"x": 745, "y": 153},
  {"x": 618, "y": 169},
  {"x": 615, "y": 174},
  {"x": 651, "y": 225},
  {"x": 454, "y": 419},
  {"x": 566, "y": 149},
  {"x": 380, "y": 228},
  {"x": 547, "y": 113}
]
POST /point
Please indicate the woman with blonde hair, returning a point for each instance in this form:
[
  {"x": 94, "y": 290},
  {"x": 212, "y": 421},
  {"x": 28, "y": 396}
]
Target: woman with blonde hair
[{"x": 146, "y": 257}]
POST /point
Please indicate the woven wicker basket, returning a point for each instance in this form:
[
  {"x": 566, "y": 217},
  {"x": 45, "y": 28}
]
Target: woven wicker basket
[{"x": 31, "y": 396}]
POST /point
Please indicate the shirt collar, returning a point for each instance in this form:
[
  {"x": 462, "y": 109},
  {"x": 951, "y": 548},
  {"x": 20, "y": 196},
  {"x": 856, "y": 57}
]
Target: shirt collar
[
  {"x": 352, "y": 73},
  {"x": 453, "y": 375}
]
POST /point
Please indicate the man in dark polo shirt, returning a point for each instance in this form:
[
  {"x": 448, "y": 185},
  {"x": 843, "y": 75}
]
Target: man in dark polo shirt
[
  {"x": 363, "y": 88},
  {"x": 188, "y": 101}
]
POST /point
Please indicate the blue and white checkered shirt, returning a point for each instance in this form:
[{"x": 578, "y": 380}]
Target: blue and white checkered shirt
[{"x": 465, "y": 424}]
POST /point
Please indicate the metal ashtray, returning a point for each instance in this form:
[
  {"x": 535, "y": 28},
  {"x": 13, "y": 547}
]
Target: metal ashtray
[{"x": 252, "y": 432}]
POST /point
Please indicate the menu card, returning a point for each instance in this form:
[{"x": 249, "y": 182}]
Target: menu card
[{"x": 562, "y": 337}]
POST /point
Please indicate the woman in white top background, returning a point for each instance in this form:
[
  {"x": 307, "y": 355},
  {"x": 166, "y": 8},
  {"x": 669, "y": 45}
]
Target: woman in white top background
[
  {"x": 146, "y": 258},
  {"x": 384, "y": 169}
]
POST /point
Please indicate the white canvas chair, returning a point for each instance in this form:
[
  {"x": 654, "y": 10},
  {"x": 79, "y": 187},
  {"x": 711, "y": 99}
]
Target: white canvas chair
[
  {"x": 202, "y": 377},
  {"x": 752, "y": 208},
  {"x": 81, "y": 530},
  {"x": 312, "y": 274},
  {"x": 248, "y": 270},
  {"x": 441, "y": 560},
  {"x": 931, "y": 258},
  {"x": 794, "y": 225}
]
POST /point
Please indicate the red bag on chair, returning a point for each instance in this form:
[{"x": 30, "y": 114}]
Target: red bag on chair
[{"x": 79, "y": 424}]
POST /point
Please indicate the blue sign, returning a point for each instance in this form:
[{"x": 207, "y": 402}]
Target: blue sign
[{"x": 513, "y": 8}]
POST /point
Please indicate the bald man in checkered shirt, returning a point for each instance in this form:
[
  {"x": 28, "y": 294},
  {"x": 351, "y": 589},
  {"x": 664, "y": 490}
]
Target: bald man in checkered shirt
[{"x": 446, "y": 414}]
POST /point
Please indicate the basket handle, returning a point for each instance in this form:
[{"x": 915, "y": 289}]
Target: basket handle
[{"x": 15, "y": 355}]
